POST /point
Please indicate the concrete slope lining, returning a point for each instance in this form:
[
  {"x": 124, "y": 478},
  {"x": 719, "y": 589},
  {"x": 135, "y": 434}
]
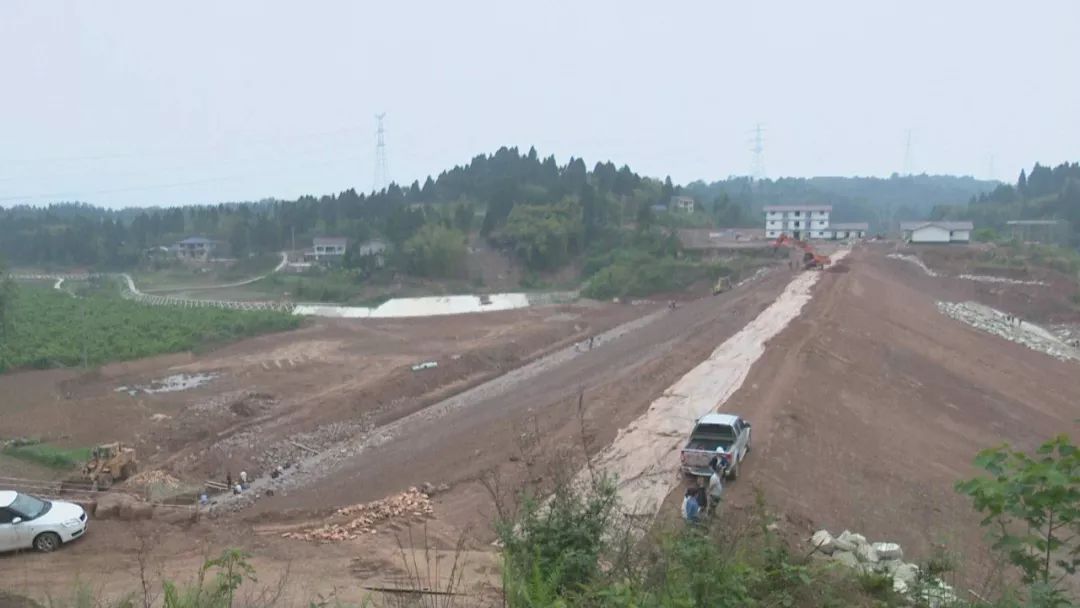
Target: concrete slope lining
[{"x": 645, "y": 455}]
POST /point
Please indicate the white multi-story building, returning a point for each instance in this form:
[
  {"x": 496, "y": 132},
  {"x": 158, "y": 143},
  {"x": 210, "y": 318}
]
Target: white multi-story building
[{"x": 798, "y": 221}]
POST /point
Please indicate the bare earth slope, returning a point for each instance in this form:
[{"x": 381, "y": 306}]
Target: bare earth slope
[{"x": 872, "y": 404}]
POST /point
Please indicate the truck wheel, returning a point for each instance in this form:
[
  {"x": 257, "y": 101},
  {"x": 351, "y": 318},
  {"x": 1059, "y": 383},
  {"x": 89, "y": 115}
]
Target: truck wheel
[
  {"x": 47, "y": 542},
  {"x": 733, "y": 472}
]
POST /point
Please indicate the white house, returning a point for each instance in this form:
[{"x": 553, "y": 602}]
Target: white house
[
  {"x": 330, "y": 247},
  {"x": 798, "y": 221},
  {"x": 683, "y": 204},
  {"x": 936, "y": 232}
]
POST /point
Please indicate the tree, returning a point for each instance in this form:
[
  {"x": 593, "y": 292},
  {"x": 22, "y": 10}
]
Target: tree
[
  {"x": 544, "y": 236},
  {"x": 1031, "y": 508},
  {"x": 435, "y": 251},
  {"x": 645, "y": 216}
]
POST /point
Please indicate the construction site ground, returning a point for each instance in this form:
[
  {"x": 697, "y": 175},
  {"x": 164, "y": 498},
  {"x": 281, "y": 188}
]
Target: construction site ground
[{"x": 866, "y": 410}]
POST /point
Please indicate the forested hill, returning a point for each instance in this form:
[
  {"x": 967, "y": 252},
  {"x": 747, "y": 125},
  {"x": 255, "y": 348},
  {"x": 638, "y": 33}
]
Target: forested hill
[
  {"x": 543, "y": 212},
  {"x": 521, "y": 200},
  {"x": 880, "y": 201}
]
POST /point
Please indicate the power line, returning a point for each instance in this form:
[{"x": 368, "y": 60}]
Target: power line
[{"x": 382, "y": 165}]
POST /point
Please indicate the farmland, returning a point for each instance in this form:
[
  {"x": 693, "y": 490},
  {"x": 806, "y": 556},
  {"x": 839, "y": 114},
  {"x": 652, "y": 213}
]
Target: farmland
[{"x": 51, "y": 328}]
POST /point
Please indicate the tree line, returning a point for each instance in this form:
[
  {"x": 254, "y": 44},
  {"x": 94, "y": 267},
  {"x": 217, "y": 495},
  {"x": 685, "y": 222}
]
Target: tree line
[
  {"x": 1044, "y": 193},
  {"x": 533, "y": 206}
]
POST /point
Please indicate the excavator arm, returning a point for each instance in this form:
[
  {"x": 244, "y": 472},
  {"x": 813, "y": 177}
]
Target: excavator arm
[{"x": 811, "y": 258}]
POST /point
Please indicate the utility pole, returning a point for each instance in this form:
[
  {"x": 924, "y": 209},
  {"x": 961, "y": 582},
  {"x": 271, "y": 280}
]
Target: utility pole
[
  {"x": 991, "y": 170},
  {"x": 382, "y": 165},
  {"x": 757, "y": 147}
]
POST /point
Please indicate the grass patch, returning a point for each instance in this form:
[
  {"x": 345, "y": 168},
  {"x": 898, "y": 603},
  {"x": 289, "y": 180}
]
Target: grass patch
[
  {"x": 48, "y": 455},
  {"x": 52, "y": 329}
]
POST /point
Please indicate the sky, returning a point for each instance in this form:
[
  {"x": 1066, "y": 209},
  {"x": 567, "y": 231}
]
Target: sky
[{"x": 127, "y": 102}]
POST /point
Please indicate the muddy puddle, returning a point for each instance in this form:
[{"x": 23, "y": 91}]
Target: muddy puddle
[{"x": 170, "y": 384}]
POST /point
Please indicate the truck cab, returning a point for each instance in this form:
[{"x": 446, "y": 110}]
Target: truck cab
[{"x": 715, "y": 435}]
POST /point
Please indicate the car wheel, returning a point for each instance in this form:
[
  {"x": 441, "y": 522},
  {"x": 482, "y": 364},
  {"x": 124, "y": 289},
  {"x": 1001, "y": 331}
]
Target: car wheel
[
  {"x": 47, "y": 542},
  {"x": 733, "y": 472}
]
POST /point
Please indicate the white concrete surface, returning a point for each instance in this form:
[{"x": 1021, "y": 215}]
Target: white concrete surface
[
  {"x": 430, "y": 306},
  {"x": 645, "y": 455}
]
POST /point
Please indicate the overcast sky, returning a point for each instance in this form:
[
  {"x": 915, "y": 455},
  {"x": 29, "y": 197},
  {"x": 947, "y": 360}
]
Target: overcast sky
[{"x": 149, "y": 103}]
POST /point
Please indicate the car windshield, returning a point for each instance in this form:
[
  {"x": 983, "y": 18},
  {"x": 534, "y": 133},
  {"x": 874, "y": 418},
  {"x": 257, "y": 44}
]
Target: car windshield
[{"x": 28, "y": 507}]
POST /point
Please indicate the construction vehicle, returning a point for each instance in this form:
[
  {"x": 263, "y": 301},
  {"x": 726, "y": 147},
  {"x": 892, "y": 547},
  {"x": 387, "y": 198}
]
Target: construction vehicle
[
  {"x": 722, "y": 284},
  {"x": 108, "y": 463},
  {"x": 811, "y": 259}
]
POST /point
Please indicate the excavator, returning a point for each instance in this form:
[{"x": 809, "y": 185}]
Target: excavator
[{"x": 811, "y": 258}]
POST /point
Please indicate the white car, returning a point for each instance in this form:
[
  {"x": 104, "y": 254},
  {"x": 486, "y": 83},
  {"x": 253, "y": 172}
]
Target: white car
[{"x": 28, "y": 522}]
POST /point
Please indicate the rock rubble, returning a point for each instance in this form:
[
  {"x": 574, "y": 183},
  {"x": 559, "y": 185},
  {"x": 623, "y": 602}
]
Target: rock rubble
[
  {"x": 1006, "y": 326},
  {"x": 886, "y": 559}
]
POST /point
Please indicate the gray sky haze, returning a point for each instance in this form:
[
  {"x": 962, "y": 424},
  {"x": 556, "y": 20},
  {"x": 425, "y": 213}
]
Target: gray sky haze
[{"x": 147, "y": 103}]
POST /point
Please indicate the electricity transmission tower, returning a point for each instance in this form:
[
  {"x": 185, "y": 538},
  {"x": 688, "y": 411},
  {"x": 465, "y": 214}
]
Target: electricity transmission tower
[
  {"x": 382, "y": 165},
  {"x": 907, "y": 155},
  {"x": 757, "y": 147}
]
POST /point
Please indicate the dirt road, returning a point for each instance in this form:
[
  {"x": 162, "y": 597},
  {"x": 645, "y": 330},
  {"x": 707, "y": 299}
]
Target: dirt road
[{"x": 491, "y": 426}]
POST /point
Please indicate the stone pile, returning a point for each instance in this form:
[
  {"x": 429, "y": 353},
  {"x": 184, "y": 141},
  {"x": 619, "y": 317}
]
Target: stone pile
[
  {"x": 990, "y": 279},
  {"x": 1012, "y": 329},
  {"x": 363, "y": 518},
  {"x": 886, "y": 559},
  {"x": 914, "y": 260}
]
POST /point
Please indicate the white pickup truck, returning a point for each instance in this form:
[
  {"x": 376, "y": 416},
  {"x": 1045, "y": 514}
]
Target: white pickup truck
[{"x": 713, "y": 431}]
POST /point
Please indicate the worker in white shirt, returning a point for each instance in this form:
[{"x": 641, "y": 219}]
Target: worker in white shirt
[{"x": 716, "y": 488}]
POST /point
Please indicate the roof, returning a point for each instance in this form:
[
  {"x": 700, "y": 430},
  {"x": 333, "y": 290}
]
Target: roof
[
  {"x": 718, "y": 419},
  {"x": 196, "y": 240},
  {"x": 718, "y": 238},
  {"x": 850, "y": 226},
  {"x": 943, "y": 225},
  {"x": 798, "y": 208},
  {"x": 7, "y": 497},
  {"x": 1034, "y": 222},
  {"x": 338, "y": 241}
]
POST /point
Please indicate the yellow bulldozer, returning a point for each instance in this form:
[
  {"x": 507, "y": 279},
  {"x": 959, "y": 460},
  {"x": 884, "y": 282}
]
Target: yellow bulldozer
[{"x": 108, "y": 463}]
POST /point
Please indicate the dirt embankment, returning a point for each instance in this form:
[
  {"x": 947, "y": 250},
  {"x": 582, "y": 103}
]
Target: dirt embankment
[{"x": 871, "y": 405}]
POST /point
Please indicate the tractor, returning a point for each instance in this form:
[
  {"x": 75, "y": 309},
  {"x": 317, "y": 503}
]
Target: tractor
[{"x": 108, "y": 463}]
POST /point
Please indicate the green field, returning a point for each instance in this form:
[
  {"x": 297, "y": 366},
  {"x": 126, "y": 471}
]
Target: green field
[
  {"x": 50, "y": 328},
  {"x": 48, "y": 455}
]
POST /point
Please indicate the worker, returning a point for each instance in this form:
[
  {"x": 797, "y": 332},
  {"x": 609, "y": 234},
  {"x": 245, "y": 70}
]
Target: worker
[
  {"x": 702, "y": 494},
  {"x": 716, "y": 489},
  {"x": 720, "y": 461},
  {"x": 691, "y": 509},
  {"x": 244, "y": 480}
]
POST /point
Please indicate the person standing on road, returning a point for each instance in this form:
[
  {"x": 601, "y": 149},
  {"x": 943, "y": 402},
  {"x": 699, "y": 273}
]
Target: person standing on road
[{"x": 716, "y": 490}]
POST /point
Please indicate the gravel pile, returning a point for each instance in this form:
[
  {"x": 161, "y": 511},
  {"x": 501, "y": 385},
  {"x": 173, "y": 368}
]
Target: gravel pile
[
  {"x": 989, "y": 279},
  {"x": 1002, "y": 325},
  {"x": 887, "y": 559}
]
